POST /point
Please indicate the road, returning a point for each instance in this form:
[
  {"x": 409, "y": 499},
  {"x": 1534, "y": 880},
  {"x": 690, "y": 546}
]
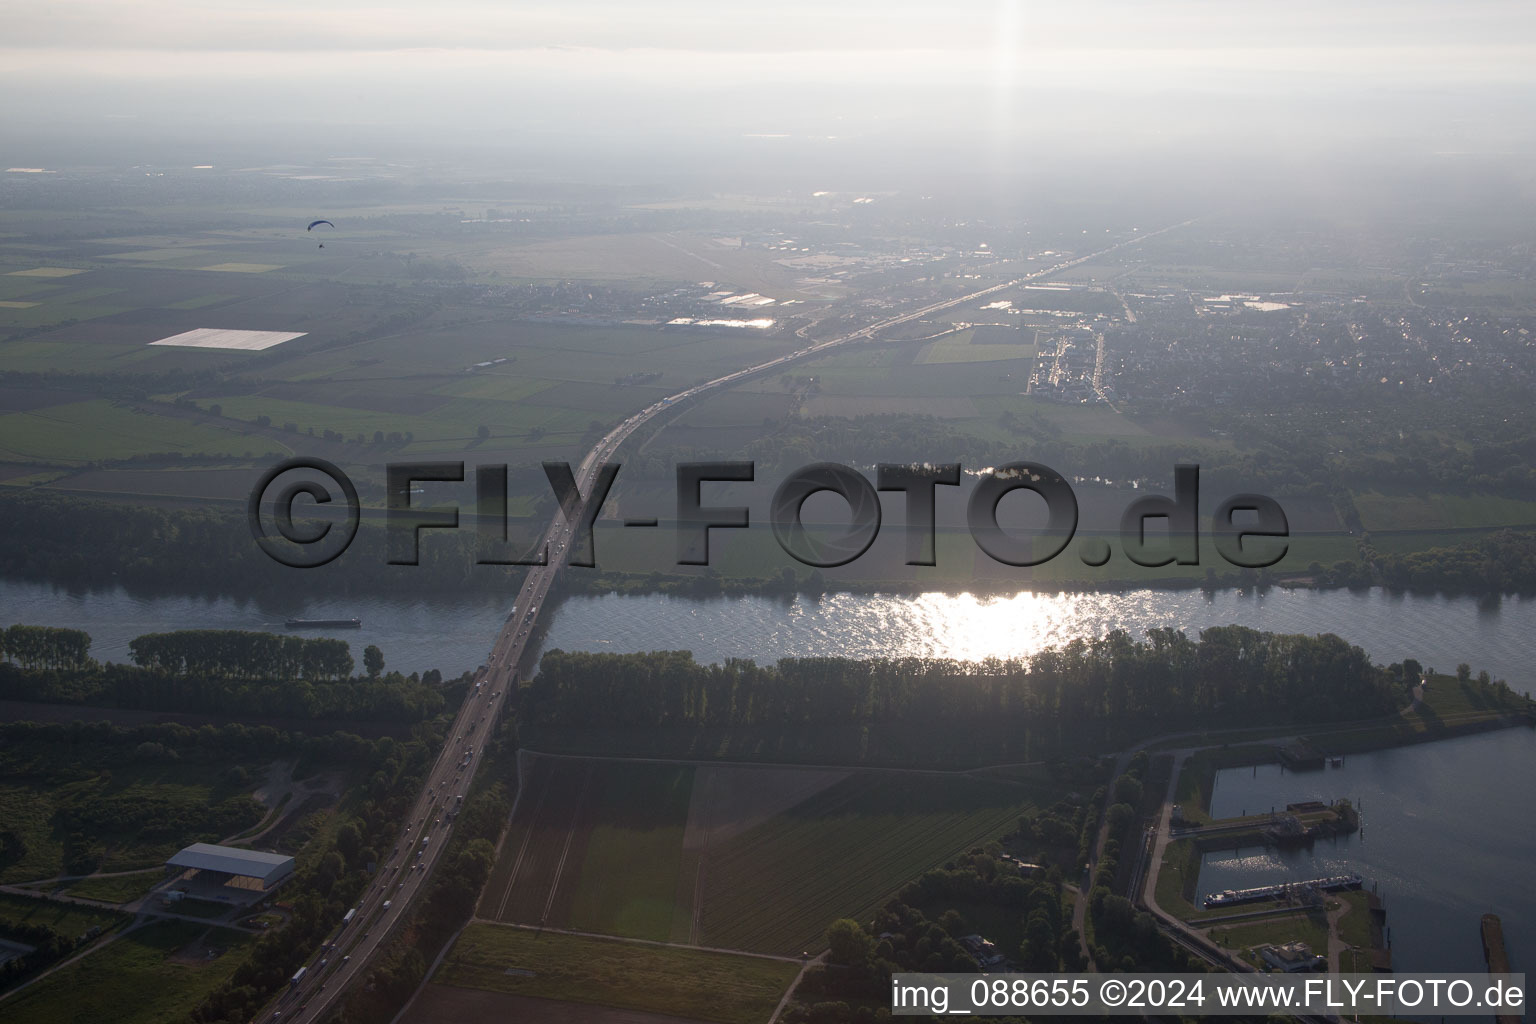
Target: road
[{"x": 405, "y": 870}]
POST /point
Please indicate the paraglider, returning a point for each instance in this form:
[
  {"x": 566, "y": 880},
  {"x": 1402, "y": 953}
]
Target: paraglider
[{"x": 316, "y": 223}]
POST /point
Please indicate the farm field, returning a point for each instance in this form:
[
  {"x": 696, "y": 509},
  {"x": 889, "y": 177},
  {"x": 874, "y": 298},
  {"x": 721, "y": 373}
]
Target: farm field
[
  {"x": 719, "y": 855},
  {"x": 659, "y": 258},
  {"x": 81, "y": 432},
  {"x": 373, "y": 358},
  {"x": 629, "y": 875},
  {"x": 688, "y": 983},
  {"x": 449, "y": 1004},
  {"x": 1433, "y": 511},
  {"x": 776, "y": 887},
  {"x": 156, "y": 973},
  {"x": 372, "y": 365},
  {"x": 980, "y": 345},
  {"x": 595, "y": 847}
]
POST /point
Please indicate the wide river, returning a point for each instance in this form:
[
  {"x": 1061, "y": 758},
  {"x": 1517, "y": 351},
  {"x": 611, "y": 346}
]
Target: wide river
[
  {"x": 1443, "y": 835},
  {"x": 455, "y": 634},
  {"x": 1444, "y": 843}
]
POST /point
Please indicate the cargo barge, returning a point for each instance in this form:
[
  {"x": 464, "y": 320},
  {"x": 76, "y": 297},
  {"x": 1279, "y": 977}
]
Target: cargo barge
[
  {"x": 324, "y": 623},
  {"x": 1236, "y": 897}
]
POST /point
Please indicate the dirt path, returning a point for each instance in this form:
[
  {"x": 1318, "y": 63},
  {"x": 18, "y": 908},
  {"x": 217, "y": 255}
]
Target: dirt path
[
  {"x": 1336, "y": 943},
  {"x": 1164, "y": 836},
  {"x": 637, "y": 942},
  {"x": 298, "y": 794},
  {"x": 788, "y": 992}
]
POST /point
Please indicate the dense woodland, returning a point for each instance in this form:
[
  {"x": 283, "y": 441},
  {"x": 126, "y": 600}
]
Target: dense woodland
[
  {"x": 1500, "y": 563},
  {"x": 74, "y": 541},
  {"x": 1167, "y": 677},
  {"x": 215, "y": 671},
  {"x": 924, "y": 927},
  {"x": 66, "y": 758}
]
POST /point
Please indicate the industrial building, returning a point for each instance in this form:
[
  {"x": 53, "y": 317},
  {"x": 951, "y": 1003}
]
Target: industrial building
[{"x": 208, "y": 868}]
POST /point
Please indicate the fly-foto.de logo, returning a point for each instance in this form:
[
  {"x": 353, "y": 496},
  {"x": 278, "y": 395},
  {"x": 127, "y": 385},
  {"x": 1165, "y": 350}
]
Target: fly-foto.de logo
[{"x": 1249, "y": 531}]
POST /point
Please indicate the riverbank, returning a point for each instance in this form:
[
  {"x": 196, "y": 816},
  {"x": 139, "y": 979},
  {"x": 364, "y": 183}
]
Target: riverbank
[
  {"x": 1439, "y": 839},
  {"x": 1455, "y": 709}
]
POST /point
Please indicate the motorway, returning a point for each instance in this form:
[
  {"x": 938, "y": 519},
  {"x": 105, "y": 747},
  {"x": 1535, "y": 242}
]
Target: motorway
[{"x": 405, "y": 871}]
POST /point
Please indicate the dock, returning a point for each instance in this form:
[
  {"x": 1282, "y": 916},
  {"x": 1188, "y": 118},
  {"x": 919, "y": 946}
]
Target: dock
[{"x": 1497, "y": 958}]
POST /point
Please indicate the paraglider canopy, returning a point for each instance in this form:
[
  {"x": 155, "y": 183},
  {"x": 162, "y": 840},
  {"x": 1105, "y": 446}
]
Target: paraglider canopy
[{"x": 316, "y": 223}]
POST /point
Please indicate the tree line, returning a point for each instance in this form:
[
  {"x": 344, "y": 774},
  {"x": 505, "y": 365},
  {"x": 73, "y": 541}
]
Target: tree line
[
  {"x": 229, "y": 672},
  {"x": 210, "y": 551},
  {"x": 242, "y": 654},
  {"x": 1166, "y": 677},
  {"x": 390, "y": 698},
  {"x": 45, "y": 647},
  {"x": 1498, "y": 563}
]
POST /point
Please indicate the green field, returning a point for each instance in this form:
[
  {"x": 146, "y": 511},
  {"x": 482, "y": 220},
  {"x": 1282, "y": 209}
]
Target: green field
[
  {"x": 975, "y": 345},
  {"x": 691, "y": 983},
  {"x": 1178, "y": 876},
  {"x": 1432, "y": 511},
  {"x": 600, "y": 846},
  {"x": 117, "y": 888},
  {"x": 628, "y": 879},
  {"x": 153, "y": 974},
  {"x": 67, "y": 919},
  {"x": 776, "y": 887},
  {"x": 81, "y": 432},
  {"x": 595, "y": 846}
]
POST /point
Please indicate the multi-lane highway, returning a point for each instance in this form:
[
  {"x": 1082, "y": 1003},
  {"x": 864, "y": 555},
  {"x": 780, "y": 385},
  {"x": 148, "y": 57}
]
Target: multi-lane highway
[{"x": 406, "y": 868}]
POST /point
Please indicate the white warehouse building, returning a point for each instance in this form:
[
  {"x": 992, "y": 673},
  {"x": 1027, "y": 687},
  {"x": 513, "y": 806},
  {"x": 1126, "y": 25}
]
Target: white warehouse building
[{"x": 251, "y": 870}]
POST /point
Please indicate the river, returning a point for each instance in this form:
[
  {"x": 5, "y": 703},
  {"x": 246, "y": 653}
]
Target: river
[
  {"x": 1445, "y": 837},
  {"x": 454, "y": 635},
  {"x": 1444, "y": 844},
  {"x": 1439, "y": 631}
]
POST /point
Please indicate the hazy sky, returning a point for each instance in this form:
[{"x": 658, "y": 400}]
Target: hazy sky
[{"x": 1445, "y": 76}]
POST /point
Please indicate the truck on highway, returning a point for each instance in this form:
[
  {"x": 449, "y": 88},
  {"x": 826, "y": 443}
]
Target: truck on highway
[
  {"x": 298, "y": 976},
  {"x": 346, "y": 918}
]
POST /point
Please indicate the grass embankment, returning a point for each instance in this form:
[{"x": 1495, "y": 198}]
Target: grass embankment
[
  {"x": 722, "y": 987},
  {"x": 1450, "y": 707},
  {"x": 1241, "y": 937},
  {"x": 116, "y": 888},
  {"x": 157, "y": 973},
  {"x": 65, "y": 918}
]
